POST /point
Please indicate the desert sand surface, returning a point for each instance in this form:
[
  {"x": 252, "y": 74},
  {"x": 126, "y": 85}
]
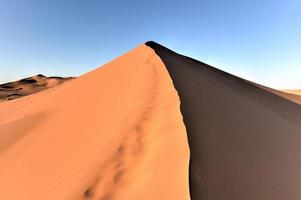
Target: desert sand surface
[
  {"x": 297, "y": 92},
  {"x": 115, "y": 133},
  {"x": 30, "y": 85},
  {"x": 292, "y": 96},
  {"x": 121, "y": 132},
  {"x": 245, "y": 141}
]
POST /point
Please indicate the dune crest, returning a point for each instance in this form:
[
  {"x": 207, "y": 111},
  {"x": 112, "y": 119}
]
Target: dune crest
[{"x": 114, "y": 133}]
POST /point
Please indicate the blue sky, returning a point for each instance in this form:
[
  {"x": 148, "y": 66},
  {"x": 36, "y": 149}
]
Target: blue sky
[{"x": 259, "y": 40}]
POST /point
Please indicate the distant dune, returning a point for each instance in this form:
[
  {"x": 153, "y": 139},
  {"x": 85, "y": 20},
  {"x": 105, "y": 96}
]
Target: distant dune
[
  {"x": 292, "y": 96},
  {"x": 297, "y": 92},
  {"x": 151, "y": 125},
  {"x": 27, "y": 86}
]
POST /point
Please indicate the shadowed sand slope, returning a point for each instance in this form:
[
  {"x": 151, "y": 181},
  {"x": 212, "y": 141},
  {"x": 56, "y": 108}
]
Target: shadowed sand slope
[
  {"x": 245, "y": 141},
  {"x": 115, "y": 133},
  {"x": 292, "y": 95},
  {"x": 27, "y": 86}
]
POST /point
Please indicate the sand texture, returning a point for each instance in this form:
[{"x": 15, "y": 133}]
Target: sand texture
[{"x": 115, "y": 133}]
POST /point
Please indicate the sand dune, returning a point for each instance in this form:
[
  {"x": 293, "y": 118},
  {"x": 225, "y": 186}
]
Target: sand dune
[
  {"x": 120, "y": 133},
  {"x": 294, "y": 95},
  {"x": 245, "y": 141},
  {"x": 30, "y": 85},
  {"x": 297, "y": 92},
  {"x": 114, "y": 133},
  {"x": 282, "y": 93}
]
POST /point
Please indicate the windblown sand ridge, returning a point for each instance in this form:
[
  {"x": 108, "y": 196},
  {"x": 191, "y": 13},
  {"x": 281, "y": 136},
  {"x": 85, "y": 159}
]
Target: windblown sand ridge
[{"x": 125, "y": 140}]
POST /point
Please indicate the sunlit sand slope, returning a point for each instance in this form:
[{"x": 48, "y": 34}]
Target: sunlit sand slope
[{"x": 113, "y": 134}]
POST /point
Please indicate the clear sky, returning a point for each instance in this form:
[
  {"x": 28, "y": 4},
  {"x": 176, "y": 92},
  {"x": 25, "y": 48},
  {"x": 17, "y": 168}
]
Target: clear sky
[{"x": 259, "y": 40}]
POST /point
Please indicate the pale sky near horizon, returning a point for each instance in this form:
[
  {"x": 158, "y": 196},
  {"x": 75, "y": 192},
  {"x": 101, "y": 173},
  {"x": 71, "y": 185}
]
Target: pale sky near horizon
[{"x": 259, "y": 40}]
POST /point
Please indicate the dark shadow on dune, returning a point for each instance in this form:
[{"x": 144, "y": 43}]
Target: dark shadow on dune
[
  {"x": 245, "y": 141},
  {"x": 7, "y": 86},
  {"x": 28, "y": 80}
]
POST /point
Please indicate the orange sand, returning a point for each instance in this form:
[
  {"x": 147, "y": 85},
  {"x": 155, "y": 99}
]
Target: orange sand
[
  {"x": 297, "y": 92},
  {"x": 114, "y": 133},
  {"x": 293, "y": 95}
]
